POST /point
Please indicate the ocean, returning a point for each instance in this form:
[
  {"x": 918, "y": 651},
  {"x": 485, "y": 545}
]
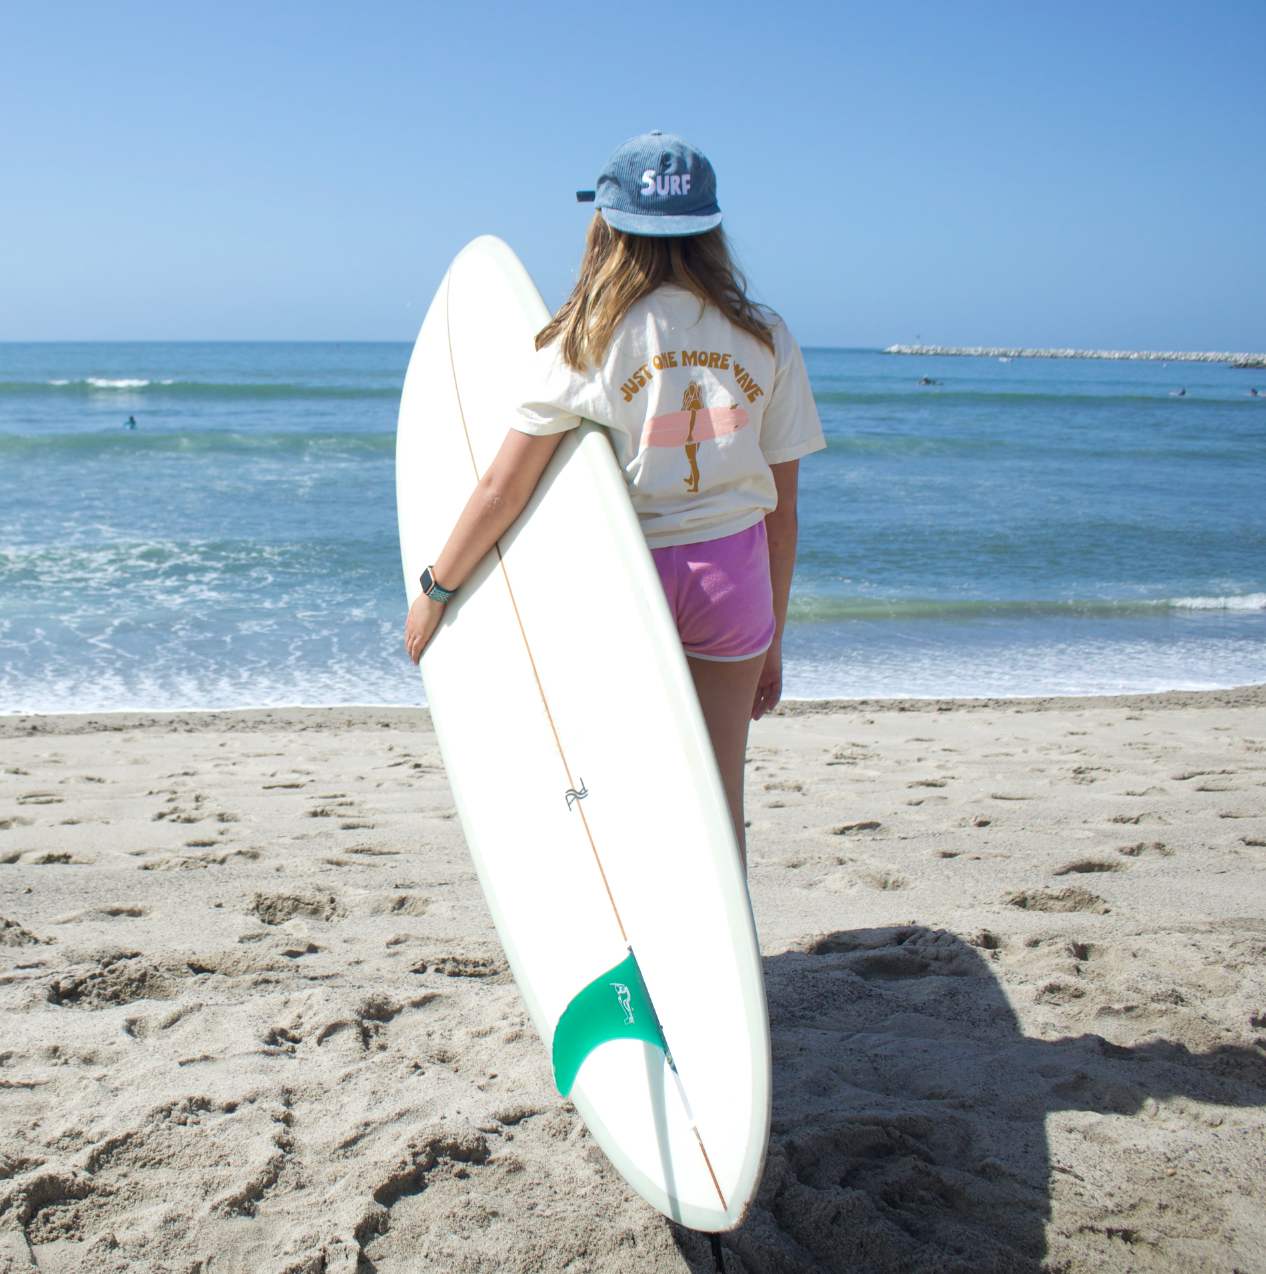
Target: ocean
[{"x": 1029, "y": 527}]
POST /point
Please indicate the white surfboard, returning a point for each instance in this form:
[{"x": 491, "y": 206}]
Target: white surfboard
[{"x": 582, "y": 771}]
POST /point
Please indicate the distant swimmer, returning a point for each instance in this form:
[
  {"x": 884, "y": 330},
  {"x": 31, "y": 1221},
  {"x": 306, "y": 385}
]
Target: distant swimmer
[
  {"x": 926, "y": 381},
  {"x": 131, "y": 422}
]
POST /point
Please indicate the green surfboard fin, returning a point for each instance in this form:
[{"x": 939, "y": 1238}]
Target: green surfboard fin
[{"x": 615, "y": 1006}]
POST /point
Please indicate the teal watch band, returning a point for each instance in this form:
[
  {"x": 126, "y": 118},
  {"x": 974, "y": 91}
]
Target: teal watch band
[{"x": 432, "y": 589}]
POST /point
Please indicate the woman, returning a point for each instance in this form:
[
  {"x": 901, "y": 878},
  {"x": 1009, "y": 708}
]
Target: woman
[{"x": 708, "y": 405}]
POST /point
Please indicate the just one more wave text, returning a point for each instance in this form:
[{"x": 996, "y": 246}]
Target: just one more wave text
[{"x": 691, "y": 358}]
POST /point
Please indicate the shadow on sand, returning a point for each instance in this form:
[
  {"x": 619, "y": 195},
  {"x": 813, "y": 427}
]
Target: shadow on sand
[{"x": 909, "y": 1130}]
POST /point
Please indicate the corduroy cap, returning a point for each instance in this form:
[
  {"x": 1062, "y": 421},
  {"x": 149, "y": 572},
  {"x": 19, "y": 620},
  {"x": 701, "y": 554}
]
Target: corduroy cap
[{"x": 657, "y": 184}]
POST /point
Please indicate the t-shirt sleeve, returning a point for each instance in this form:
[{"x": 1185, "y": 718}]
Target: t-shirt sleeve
[
  {"x": 542, "y": 419},
  {"x": 790, "y": 427},
  {"x": 552, "y": 396}
]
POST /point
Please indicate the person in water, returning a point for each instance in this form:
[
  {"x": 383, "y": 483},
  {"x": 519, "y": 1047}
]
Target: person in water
[
  {"x": 131, "y": 422},
  {"x": 660, "y": 343}
]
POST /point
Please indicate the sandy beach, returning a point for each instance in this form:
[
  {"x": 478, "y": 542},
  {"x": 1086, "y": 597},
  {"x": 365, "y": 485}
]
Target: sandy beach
[{"x": 254, "y": 1016}]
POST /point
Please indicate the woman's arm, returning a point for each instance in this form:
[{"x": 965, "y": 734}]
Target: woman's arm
[
  {"x": 499, "y": 497},
  {"x": 781, "y": 529}
]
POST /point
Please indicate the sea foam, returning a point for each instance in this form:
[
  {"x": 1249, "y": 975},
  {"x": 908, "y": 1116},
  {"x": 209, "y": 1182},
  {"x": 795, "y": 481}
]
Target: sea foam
[{"x": 1250, "y": 601}]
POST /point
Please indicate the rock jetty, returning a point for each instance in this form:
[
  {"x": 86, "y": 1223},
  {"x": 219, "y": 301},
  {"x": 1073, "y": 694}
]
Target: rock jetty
[{"x": 1136, "y": 355}]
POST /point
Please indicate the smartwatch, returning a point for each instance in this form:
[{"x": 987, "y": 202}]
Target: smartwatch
[{"x": 432, "y": 589}]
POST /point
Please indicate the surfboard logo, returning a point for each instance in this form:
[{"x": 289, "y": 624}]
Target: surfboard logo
[{"x": 625, "y": 997}]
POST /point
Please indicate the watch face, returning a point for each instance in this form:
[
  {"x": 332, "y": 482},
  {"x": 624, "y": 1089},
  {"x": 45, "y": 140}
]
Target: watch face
[{"x": 432, "y": 589}]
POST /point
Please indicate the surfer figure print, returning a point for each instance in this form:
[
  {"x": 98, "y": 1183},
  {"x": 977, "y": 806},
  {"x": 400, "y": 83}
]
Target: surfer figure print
[
  {"x": 659, "y": 299},
  {"x": 626, "y": 1001},
  {"x": 692, "y": 401}
]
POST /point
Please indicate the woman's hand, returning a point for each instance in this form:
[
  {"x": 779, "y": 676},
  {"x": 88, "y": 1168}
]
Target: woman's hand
[
  {"x": 424, "y": 618},
  {"x": 499, "y": 497},
  {"x": 781, "y": 530},
  {"x": 769, "y": 687}
]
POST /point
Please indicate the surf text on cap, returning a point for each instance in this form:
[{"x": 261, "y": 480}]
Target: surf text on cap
[{"x": 654, "y": 184}]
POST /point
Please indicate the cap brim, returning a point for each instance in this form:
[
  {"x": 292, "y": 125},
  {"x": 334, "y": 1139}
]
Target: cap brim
[{"x": 661, "y": 227}]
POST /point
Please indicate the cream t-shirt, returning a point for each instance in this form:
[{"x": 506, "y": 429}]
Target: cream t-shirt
[{"x": 697, "y": 410}]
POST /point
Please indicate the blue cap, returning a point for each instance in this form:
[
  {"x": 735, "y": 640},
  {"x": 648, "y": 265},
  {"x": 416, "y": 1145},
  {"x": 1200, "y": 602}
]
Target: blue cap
[{"x": 657, "y": 184}]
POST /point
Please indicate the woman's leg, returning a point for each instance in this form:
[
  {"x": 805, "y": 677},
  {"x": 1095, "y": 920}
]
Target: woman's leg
[
  {"x": 692, "y": 482},
  {"x": 726, "y": 692}
]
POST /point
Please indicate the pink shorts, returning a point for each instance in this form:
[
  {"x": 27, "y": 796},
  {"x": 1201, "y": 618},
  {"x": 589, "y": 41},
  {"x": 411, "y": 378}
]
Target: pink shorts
[{"x": 720, "y": 595}]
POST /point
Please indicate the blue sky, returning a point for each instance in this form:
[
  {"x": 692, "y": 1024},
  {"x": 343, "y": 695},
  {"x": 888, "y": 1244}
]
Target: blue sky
[{"x": 1072, "y": 174}]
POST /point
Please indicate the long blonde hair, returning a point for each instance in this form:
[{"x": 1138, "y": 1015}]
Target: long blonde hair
[{"x": 619, "y": 269}]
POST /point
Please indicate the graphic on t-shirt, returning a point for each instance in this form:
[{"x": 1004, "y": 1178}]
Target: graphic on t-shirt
[
  {"x": 692, "y": 401},
  {"x": 694, "y": 424}
]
